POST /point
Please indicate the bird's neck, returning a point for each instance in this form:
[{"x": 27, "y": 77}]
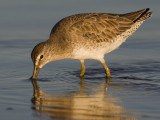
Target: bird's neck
[{"x": 57, "y": 50}]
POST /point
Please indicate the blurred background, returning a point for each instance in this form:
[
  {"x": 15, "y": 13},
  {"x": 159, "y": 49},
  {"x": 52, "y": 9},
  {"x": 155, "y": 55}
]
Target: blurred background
[{"x": 33, "y": 19}]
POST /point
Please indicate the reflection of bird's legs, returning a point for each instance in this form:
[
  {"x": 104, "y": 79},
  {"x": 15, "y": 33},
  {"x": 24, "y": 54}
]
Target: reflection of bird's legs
[
  {"x": 82, "y": 68},
  {"x": 106, "y": 68},
  {"x": 104, "y": 86},
  {"x": 81, "y": 91}
]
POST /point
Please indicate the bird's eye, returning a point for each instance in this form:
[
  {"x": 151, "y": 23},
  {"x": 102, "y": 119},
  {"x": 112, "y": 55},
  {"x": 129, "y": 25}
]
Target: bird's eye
[{"x": 41, "y": 56}]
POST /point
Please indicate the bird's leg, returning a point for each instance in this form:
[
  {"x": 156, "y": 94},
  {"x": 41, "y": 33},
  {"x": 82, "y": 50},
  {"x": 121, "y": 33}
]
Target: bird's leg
[
  {"x": 106, "y": 68},
  {"x": 82, "y": 68}
]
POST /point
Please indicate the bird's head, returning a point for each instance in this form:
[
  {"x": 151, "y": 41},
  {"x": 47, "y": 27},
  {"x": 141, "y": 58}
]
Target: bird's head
[{"x": 40, "y": 56}]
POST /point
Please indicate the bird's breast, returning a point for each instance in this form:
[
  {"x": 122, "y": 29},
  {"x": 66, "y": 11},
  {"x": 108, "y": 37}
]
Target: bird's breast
[{"x": 84, "y": 53}]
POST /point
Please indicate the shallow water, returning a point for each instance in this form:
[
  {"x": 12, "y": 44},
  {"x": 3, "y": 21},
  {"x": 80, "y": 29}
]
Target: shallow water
[{"x": 132, "y": 93}]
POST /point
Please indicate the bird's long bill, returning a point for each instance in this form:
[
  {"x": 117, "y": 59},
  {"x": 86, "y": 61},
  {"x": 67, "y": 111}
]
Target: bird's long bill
[{"x": 35, "y": 72}]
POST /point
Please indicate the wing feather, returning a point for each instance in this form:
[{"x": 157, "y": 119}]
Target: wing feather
[{"x": 101, "y": 27}]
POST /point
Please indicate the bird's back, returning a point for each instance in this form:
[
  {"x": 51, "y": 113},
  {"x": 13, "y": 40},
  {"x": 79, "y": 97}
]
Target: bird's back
[{"x": 97, "y": 30}]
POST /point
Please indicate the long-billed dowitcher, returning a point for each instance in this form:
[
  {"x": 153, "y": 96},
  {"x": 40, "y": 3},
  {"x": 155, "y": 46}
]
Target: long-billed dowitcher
[{"x": 87, "y": 36}]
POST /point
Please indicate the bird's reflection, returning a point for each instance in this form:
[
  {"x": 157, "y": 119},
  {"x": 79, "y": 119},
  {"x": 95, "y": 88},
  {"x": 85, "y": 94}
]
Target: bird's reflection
[{"x": 84, "y": 106}]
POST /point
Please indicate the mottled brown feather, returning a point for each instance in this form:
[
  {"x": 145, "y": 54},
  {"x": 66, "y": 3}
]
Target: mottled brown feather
[
  {"x": 101, "y": 26},
  {"x": 96, "y": 26}
]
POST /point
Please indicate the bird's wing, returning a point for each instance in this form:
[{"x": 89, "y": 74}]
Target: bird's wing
[
  {"x": 140, "y": 15},
  {"x": 100, "y": 27}
]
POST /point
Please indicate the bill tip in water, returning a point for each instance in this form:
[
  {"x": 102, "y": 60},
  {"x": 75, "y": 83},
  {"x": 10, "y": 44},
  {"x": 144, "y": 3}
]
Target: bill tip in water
[{"x": 35, "y": 72}]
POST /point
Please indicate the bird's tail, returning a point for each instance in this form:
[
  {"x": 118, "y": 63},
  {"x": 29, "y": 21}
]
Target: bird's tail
[{"x": 138, "y": 16}]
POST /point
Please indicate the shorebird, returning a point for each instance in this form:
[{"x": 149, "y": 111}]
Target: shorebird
[{"x": 87, "y": 36}]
